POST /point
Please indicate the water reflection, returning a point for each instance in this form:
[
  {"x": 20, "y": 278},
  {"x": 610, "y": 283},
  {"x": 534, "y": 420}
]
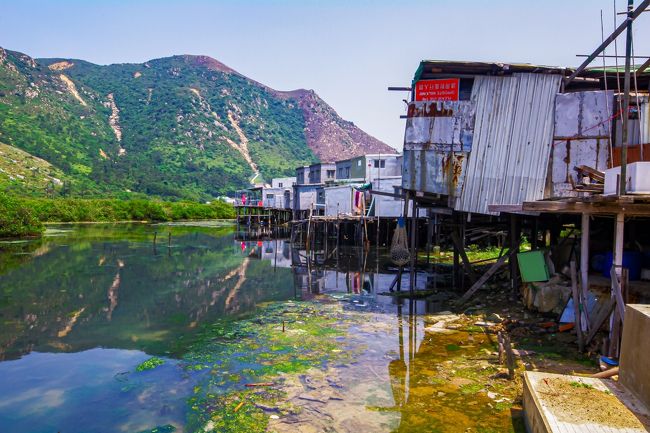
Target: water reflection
[
  {"x": 81, "y": 308},
  {"x": 97, "y": 286}
]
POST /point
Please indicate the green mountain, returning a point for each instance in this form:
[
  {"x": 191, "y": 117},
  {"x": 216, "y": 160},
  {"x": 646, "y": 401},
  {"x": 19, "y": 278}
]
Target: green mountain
[{"x": 178, "y": 127}]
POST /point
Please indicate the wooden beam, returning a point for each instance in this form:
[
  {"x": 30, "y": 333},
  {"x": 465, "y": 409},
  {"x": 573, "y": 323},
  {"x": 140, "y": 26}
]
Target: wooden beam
[
  {"x": 631, "y": 17},
  {"x": 387, "y": 194},
  {"x": 618, "y": 295},
  {"x": 600, "y": 208},
  {"x": 463, "y": 255},
  {"x": 486, "y": 276}
]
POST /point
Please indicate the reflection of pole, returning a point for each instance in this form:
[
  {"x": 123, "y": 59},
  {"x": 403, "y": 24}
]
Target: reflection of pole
[
  {"x": 397, "y": 367},
  {"x": 275, "y": 258},
  {"x": 400, "y": 330}
]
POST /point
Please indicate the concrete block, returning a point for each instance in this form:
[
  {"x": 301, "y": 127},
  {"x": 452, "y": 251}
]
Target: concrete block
[{"x": 634, "y": 371}]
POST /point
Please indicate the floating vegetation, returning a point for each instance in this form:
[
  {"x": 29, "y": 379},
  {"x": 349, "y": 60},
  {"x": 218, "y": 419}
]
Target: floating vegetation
[
  {"x": 248, "y": 362},
  {"x": 150, "y": 364}
]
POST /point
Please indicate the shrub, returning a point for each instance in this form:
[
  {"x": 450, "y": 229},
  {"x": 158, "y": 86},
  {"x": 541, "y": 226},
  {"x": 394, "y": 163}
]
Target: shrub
[{"x": 17, "y": 219}]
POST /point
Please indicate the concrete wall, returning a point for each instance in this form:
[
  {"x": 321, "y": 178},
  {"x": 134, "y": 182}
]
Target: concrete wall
[
  {"x": 634, "y": 373},
  {"x": 318, "y": 172},
  {"x": 388, "y": 206},
  {"x": 283, "y": 182},
  {"x": 277, "y": 197},
  {"x": 304, "y": 196},
  {"x": 392, "y": 167},
  {"x": 338, "y": 200},
  {"x": 358, "y": 167},
  {"x": 302, "y": 175},
  {"x": 343, "y": 169}
]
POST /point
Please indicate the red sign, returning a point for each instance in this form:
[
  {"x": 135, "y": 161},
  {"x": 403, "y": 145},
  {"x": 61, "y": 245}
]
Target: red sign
[{"x": 437, "y": 90}]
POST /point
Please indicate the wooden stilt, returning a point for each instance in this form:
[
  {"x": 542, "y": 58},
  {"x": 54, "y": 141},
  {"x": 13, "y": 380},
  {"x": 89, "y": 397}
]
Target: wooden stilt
[
  {"x": 515, "y": 236},
  {"x": 414, "y": 222},
  {"x": 576, "y": 305}
]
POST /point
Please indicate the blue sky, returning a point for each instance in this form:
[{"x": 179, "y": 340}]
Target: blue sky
[{"x": 347, "y": 51}]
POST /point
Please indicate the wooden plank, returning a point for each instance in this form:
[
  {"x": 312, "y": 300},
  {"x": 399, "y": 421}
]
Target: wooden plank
[
  {"x": 510, "y": 356},
  {"x": 600, "y": 319},
  {"x": 387, "y": 194},
  {"x": 592, "y": 172},
  {"x": 618, "y": 296},
  {"x": 486, "y": 276},
  {"x": 576, "y": 306},
  {"x": 463, "y": 255}
]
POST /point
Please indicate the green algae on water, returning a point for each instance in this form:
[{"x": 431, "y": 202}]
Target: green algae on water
[
  {"x": 249, "y": 359},
  {"x": 150, "y": 364}
]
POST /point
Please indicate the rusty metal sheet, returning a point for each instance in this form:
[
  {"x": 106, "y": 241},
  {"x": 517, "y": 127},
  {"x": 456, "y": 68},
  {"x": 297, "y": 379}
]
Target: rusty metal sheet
[
  {"x": 583, "y": 122},
  {"x": 440, "y": 125},
  {"x": 581, "y": 115},
  {"x": 434, "y": 171},
  {"x": 593, "y": 152},
  {"x": 512, "y": 139}
]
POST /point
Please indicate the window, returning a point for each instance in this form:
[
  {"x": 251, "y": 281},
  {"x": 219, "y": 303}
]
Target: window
[
  {"x": 380, "y": 163},
  {"x": 331, "y": 174},
  {"x": 270, "y": 196},
  {"x": 279, "y": 184},
  {"x": 359, "y": 163},
  {"x": 398, "y": 193}
]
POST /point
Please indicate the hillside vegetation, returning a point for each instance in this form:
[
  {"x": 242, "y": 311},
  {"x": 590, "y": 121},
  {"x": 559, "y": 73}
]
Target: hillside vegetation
[
  {"x": 181, "y": 127},
  {"x": 25, "y": 216}
]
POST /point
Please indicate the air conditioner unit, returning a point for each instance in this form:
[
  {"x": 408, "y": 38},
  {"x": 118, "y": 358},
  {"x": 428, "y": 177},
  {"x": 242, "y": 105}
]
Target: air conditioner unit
[{"x": 638, "y": 179}]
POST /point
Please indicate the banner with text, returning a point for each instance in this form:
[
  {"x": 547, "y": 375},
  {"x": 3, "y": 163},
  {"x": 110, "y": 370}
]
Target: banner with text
[{"x": 437, "y": 90}]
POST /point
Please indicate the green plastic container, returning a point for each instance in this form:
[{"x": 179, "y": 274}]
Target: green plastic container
[{"x": 532, "y": 266}]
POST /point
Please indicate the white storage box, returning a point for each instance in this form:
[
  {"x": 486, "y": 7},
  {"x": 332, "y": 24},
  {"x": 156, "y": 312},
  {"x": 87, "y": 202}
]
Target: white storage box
[{"x": 638, "y": 179}]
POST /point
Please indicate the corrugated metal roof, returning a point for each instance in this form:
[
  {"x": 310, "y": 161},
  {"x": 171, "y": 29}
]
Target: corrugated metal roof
[
  {"x": 432, "y": 68},
  {"x": 512, "y": 140}
]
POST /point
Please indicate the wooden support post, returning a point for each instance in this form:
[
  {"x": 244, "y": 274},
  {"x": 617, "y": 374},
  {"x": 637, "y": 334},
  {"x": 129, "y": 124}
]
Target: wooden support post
[
  {"x": 414, "y": 222},
  {"x": 515, "y": 237},
  {"x": 534, "y": 232},
  {"x": 576, "y": 306},
  {"x": 504, "y": 341},
  {"x": 326, "y": 238},
  {"x": 584, "y": 253},
  {"x": 615, "y": 273}
]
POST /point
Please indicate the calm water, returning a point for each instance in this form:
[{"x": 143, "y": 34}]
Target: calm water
[{"x": 81, "y": 308}]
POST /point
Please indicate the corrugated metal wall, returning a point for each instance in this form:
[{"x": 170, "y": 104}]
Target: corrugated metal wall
[{"x": 513, "y": 132}]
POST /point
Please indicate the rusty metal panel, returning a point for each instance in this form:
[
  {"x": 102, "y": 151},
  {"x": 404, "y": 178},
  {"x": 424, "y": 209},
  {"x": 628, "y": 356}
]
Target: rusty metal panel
[
  {"x": 512, "y": 139},
  {"x": 567, "y": 154},
  {"x": 581, "y": 115},
  {"x": 434, "y": 171},
  {"x": 440, "y": 125},
  {"x": 583, "y": 123}
]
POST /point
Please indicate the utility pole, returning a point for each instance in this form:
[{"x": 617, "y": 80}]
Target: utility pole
[{"x": 626, "y": 97}]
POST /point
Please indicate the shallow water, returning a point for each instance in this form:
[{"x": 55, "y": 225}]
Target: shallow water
[{"x": 81, "y": 308}]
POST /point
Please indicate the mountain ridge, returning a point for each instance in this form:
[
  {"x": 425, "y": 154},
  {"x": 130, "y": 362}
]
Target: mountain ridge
[{"x": 186, "y": 126}]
